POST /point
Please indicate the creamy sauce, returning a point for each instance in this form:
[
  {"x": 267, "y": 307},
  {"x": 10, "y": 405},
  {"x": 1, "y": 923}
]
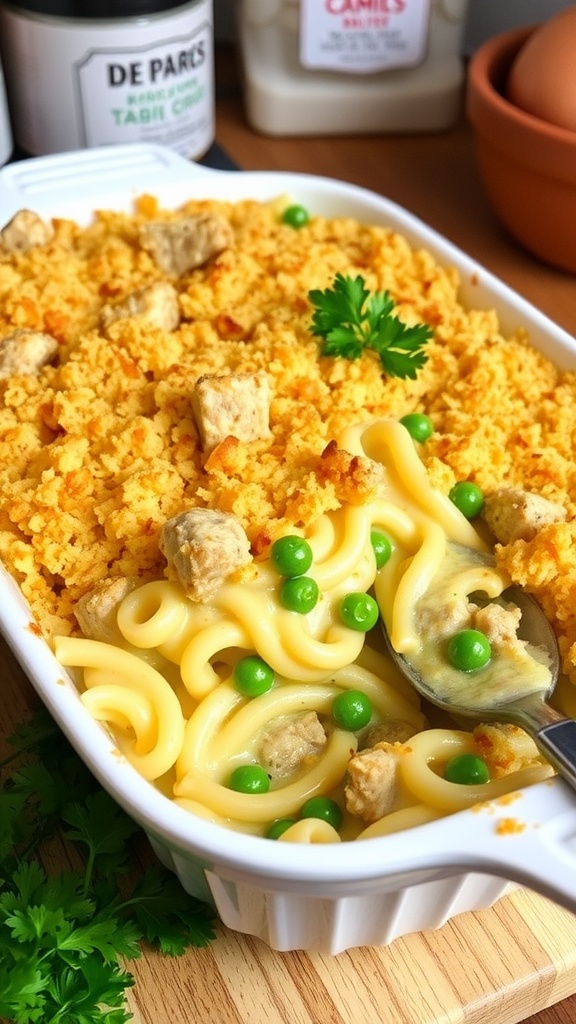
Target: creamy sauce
[{"x": 517, "y": 667}]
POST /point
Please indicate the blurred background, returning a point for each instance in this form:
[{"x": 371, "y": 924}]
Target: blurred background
[
  {"x": 43, "y": 105},
  {"x": 485, "y": 18}
]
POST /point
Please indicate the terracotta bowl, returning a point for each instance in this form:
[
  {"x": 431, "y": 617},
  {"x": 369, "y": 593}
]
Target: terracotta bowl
[{"x": 528, "y": 166}]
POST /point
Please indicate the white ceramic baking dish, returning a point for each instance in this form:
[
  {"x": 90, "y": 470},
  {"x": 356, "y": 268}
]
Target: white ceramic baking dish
[{"x": 292, "y": 896}]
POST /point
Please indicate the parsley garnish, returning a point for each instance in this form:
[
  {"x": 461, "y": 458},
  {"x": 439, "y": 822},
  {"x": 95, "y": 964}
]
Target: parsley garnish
[
  {"x": 63, "y": 937},
  {"x": 350, "y": 320}
]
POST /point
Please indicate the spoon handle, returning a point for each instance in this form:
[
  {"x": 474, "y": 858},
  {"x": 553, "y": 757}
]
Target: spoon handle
[
  {"x": 557, "y": 742},
  {"x": 553, "y": 732}
]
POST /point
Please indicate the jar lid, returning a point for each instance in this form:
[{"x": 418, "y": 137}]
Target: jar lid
[{"x": 101, "y": 10}]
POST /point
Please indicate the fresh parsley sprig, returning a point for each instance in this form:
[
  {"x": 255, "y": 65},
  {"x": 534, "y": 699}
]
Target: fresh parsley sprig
[
  {"x": 63, "y": 937},
  {"x": 350, "y": 319}
]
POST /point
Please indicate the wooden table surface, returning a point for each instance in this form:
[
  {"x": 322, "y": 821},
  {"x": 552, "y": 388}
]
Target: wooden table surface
[{"x": 495, "y": 967}]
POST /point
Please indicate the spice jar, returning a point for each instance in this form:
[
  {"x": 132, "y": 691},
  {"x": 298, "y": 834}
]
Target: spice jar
[
  {"x": 85, "y": 73},
  {"x": 329, "y": 67}
]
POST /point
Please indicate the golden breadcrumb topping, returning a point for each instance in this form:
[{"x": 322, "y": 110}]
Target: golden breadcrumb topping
[{"x": 100, "y": 446}]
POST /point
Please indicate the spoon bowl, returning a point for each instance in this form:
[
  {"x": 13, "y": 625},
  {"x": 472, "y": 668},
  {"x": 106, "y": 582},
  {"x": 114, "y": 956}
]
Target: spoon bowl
[{"x": 553, "y": 732}]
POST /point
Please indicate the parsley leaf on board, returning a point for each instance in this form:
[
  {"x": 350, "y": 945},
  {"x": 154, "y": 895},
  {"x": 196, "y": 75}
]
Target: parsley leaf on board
[
  {"x": 63, "y": 937},
  {"x": 350, "y": 320}
]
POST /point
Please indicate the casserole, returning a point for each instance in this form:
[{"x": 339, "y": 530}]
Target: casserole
[{"x": 358, "y": 894}]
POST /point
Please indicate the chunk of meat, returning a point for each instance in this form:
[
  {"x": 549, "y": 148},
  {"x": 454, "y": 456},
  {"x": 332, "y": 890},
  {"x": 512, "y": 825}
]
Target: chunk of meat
[
  {"x": 514, "y": 514},
  {"x": 157, "y": 304},
  {"x": 288, "y": 743},
  {"x": 391, "y": 730},
  {"x": 372, "y": 782},
  {"x": 233, "y": 404},
  {"x": 203, "y": 548},
  {"x": 24, "y": 231},
  {"x": 177, "y": 246},
  {"x": 25, "y": 352},
  {"x": 500, "y": 624},
  {"x": 441, "y": 621},
  {"x": 96, "y": 610}
]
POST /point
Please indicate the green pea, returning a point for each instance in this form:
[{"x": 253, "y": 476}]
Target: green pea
[
  {"x": 467, "y": 770},
  {"x": 418, "y": 425},
  {"x": 469, "y": 650},
  {"x": 323, "y": 807},
  {"x": 253, "y": 676},
  {"x": 468, "y": 498},
  {"x": 249, "y": 778},
  {"x": 295, "y": 216},
  {"x": 278, "y": 827},
  {"x": 381, "y": 546},
  {"x": 299, "y": 594},
  {"x": 351, "y": 710},
  {"x": 359, "y": 611},
  {"x": 291, "y": 556}
]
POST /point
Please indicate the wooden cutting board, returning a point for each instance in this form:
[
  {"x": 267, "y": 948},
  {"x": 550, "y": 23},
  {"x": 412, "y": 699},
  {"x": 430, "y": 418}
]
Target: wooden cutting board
[
  {"x": 493, "y": 967},
  {"x": 497, "y": 966}
]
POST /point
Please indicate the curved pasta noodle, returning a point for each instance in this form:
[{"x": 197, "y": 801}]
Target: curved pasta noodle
[
  {"x": 124, "y": 708},
  {"x": 381, "y": 666},
  {"x": 389, "y": 442},
  {"x": 349, "y": 542},
  {"x": 202, "y": 727},
  {"x": 352, "y": 525},
  {"x": 310, "y": 830},
  {"x": 200, "y": 811},
  {"x": 398, "y": 821},
  {"x": 439, "y": 745},
  {"x": 321, "y": 536},
  {"x": 279, "y": 803},
  {"x": 481, "y": 579},
  {"x": 281, "y": 638},
  {"x": 149, "y": 615},
  {"x": 414, "y": 581},
  {"x": 198, "y": 676},
  {"x": 125, "y": 669},
  {"x": 157, "y": 615}
]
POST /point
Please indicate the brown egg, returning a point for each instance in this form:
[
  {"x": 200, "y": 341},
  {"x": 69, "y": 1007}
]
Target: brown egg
[{"x": 542, "y": 80}]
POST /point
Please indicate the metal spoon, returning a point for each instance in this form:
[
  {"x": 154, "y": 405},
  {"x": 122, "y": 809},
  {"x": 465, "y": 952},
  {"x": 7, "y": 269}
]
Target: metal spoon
[{"x": 554, "y": 733}]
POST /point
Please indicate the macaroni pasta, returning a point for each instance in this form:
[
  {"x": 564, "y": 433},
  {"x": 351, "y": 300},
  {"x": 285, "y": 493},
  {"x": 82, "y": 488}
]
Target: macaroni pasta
[{"x": 190, "y": 736}]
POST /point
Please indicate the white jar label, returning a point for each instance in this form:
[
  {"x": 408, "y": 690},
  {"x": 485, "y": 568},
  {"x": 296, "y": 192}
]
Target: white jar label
[
  {"x": 363, "y": 36},
  {"x": 154, "y": 93}
]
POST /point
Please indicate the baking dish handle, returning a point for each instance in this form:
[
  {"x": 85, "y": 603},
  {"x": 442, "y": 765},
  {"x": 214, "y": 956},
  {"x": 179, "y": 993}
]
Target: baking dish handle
[
  {"x": 80, "y": 174},
  {"x": 526, "y": 840}
]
